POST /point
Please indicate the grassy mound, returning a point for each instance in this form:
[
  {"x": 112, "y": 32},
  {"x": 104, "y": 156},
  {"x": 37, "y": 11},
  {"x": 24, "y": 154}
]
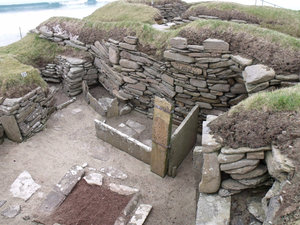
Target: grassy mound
[
  {"x": 285, "y": 99},
  {"x": 12, "y": 83},
  {"x": 123, "y": 11},
  {"x": 282, "y": 20}
]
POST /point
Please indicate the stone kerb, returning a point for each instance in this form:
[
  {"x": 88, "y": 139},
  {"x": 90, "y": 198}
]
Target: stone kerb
[{"x": 23, "y": 117}]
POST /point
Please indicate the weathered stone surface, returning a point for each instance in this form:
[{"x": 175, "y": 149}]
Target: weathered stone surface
[
  {"x": 259, "y": 171},
  {"x": 129, "y": 64},
  {"x": 168, "y": 79},
  {"x": 225, "y": 158},
  {"x": 211, "y": 175},
  {"x": 140, "y": 215},
  {"x": 291, "y": 77},
  {"x": 139, "y": 128},
  {"x": 213, "y": 209},
  {"x": 239, "y": 164},
  {"x": 241, "y": 60},
  {"x": 234, "y": 185},
  {"x": 108, "y": 107},
  {"x": 128, "y": 46},
  {"x": 256, "y": 155},
  {"x": 131, "y": 40},
  {"x": 46, "y": 31},
  {"x": 225, "y": 193},
  {"x": 186, "y": 68},
  {"x": 125, "y": 110},
  {"x": 253, "y": 88},
  {"x": 198, "y": 83},
  {"x": 215, "y": 44},
  {"x": 279, "y": 166},
  {"x": 12, "y": 211},
  {"x": 242, "y": 170},
  {"x": 11, "y": 128},
  {"x": 258, "y": 74},
  {"x": 238, "y": 89},
  {"x": 178, "y": 42},
  {"x": 226, "y": 150},
  {"x": 204, "y": 105},
  {"x": 24, "y": 186},
  {"x": 178, "y": 57},
  {"x": 255, "y": 181},
  {"x": 122, "y": 189},
  {"x": 129, "y": 80},
  {"x": 126, "y": 130},
  {"x": 114, "y": 56},
  {"x": 221, "y": 64},
  {"x": 221, "y": 87},
  {"x": 69, "y": 180},
  {"x": 254, "y": 206},
  {"x": 2, "y": 203},
  {"x": 94, "y": 178},
  {"x": 114, "y": 173},
  {"x": 52, "y": 201},
  {"x": 138, "y": 86}
]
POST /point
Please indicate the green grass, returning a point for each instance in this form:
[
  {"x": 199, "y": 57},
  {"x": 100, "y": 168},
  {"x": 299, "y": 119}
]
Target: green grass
[
  {"x": 285, "y": 99},
  {"x": 123, "y": 11},
  {"x": 282, "y": 20},
  {"x": 12, "y": 84},
  {"x": 257, "y": 32},
  {"x": 154, "y": 1},
  {"x": 32, "y": 50}
]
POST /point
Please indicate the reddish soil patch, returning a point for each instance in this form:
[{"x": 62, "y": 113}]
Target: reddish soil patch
[
  {"x": 256, "y": 129},
  {"x": 90, "y": 204}
]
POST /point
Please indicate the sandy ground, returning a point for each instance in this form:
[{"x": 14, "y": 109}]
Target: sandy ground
[{"x": 69, "y": 139}]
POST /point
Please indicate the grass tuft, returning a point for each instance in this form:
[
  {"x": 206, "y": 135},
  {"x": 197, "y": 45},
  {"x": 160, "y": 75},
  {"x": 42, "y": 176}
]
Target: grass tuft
[{"x": 285, "y": 99}]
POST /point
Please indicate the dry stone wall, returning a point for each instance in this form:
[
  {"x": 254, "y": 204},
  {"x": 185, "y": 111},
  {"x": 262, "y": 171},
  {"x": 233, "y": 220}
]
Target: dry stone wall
[
  {"x": 207, "y": 75},
  {"x": 23, "y": 117}
]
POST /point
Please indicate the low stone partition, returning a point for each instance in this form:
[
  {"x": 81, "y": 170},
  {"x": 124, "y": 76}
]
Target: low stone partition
[
  {"x": 21, "y": 118},
  {"x": 71, "y": 72},
  {"x": 226, "y": 171},
  {"x": 123, "y": 142}
]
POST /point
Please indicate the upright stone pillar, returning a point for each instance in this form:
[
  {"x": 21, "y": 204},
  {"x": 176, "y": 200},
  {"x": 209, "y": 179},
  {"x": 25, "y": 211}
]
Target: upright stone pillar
[{"x": 161, "y": 135}]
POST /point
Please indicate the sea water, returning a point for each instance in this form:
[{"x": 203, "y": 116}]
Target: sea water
[{"x": 18, "y": 17}]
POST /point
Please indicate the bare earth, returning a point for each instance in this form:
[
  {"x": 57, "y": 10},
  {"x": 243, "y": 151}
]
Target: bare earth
[{"x": 69, "y": 139}]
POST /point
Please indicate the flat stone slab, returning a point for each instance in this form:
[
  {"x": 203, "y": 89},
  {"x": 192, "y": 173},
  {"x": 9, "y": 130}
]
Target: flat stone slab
[
  {"x": 139, "y": 128},
  {"x": 226, "y": 150},
  {"x": 234, "y": 185},
  {"x": 52, "y": 201},
  {"x": 213, "y": 209},
  {"x": 94, "y": 179},
  {"x": 239, "y": 164},
  {"x": 241, "y": 60},
  {"x": 258, "y": 74},
  {"x": 122, "y": 189},
  {"x": 140, "y": 214},
  {"x": 215, "y": 44},
  {"x": 11, "y": 211},
  {"x": 242, "y": 170},
  {"x": 11, "y": 128},
  {"x": 259, "y": 171},
  {"x": 126, "y": 130},
  {"x": 114, "y": 173},
  {"x": 178, "y": 42},
  {"x": 225, "y": 193},
  {"x": 225, "y": 158},
  {"x": 256, "y": 180},
  {"x": 24, "y": 186},
  {"x": 69, "y": 180}
]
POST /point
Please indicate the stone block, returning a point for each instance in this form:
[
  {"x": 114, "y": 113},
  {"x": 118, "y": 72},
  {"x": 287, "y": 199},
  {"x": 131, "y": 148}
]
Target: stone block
[
  {"x": 211, "y": 174},
  {"x": 256, "y": 155},
  {"x": 69, "y": 180},
  {"x": 197, "y": 164},
  {"x": 239, "y": 164},
  {"x": 225, "y": 158},
  {"x": 238, "y": 89},
  {"x": 179, "y": 42},
  {"x": 258, "y": 74},
  {"x": 128, "y": 46},
  {"x": 213, "y": 209},
  {"x": 198, "y": 83},
  {"x": 259, "y": 171},
  {"x": 241, "y": 60},
  {"x": 253, "y": 88},
  {"x": 94, "y": 179},
  {"x": 123, "y": 142},
  {"x": 52, "y": 202},
  {"x": 178, "y": 57},
  {"x": 220, "y": 87},
  {"x": 242, "y": 170},
  {"x": 186, "y": 68},
  {"x": 226, "y": 150},
  {"x": 131, "y": 40},
  {"x": 129, "y": 64},
  {"x": 11, "y": 128},
  {"x": 215, "y": 45},
  {"x": 234, "y": 185},
  {"x": 114, "y": 56},
  {"x": 140, "y": 215}
]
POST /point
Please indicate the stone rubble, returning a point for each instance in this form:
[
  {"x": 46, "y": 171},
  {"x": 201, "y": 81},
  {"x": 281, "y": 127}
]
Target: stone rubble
[{"x": 11, "y": 211}]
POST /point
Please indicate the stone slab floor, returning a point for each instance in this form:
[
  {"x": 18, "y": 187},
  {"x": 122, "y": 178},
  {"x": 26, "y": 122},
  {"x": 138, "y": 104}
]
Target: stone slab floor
[{"x": 69, "y": 139}]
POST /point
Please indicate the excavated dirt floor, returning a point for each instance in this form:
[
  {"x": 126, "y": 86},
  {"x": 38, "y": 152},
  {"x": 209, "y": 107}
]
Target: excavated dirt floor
[{"x": 69, "y": 139}]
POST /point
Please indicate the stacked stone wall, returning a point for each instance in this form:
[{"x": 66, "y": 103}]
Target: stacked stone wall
[
  {"x": 207, "y": 75},
  {"x": 22, "y": 117}
]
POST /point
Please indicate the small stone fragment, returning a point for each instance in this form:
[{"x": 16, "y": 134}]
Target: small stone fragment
[
  {"x": 94, "y": 178},
  {"x": 122, "y": 189},
  {"x": 140, "y": 215},
  {"x": 12, "y": 211}
]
